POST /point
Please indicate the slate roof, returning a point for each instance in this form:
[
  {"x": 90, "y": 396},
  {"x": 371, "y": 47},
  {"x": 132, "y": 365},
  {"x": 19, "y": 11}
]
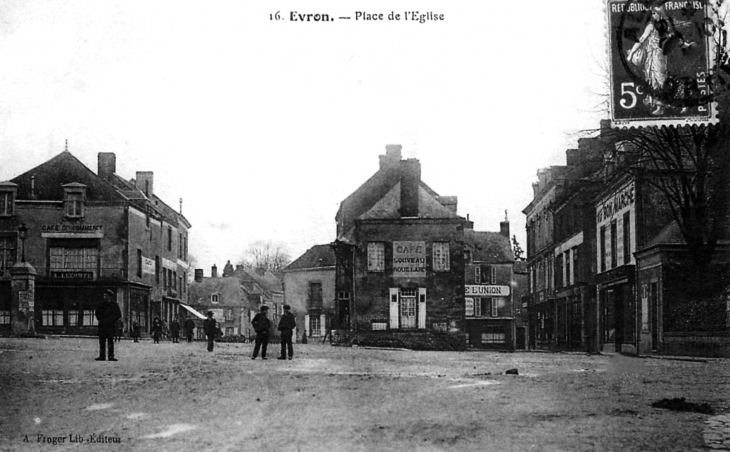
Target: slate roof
[
  {"x": 389, "y": 206},
  {"x": 316, "y": 256},
  {"x": 488, "y": 247},
  {"x": 229, "y": 290}
]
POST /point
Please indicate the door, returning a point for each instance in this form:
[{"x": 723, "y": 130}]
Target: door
[{"x": 408, "y": 302}]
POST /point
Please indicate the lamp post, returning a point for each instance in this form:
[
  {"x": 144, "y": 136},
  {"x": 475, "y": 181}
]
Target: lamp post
[{"x": 22, "y": 234}]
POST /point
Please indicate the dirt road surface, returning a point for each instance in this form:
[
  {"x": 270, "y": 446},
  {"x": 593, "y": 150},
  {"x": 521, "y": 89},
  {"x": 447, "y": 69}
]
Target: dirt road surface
[{"x": 179, "y": 397}]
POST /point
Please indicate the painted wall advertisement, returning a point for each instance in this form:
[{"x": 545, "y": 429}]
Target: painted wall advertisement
[{"x": 409, "y": 259}]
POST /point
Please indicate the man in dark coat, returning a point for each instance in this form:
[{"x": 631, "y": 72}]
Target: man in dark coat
[
  {"x": 175, "y": 330},
  {"x": 261, "y": 324},
  {"x": 107, "y": 315},
  {"x": 286, "y": 326},
  {"x": 189, "y": 327},
  {"x": 210, "y": 330}
]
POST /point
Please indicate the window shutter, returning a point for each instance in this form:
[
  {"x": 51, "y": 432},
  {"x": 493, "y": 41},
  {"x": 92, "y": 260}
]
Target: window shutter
[
  {"x": 393, "y": 302},
  {"x": 468, "y": 307},
  {"x": 477, "y": 275},
  {"x": 422, "y": 308},
  {"x": 306, "y": 325},
  {"x": 495, "y": 311},
  {"x": 492, "y": 274},
  {"x": 323, "y": 325}
]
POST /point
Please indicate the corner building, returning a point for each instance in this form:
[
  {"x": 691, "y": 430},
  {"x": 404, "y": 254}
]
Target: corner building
[
  {"x": 400, "y": 251},
  {"x": 90, "y": 232}
]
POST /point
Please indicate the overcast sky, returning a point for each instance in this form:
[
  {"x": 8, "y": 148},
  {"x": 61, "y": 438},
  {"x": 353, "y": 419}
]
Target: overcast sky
[{"x": 263, "y": 127}]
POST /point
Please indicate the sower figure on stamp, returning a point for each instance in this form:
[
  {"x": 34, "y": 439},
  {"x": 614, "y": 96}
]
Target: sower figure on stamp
[
  {"x": 286, "y": 326},
  {"x": 261, "y": 324},
  {"x": 210, "y": 330},
  {"x": 107, "y": 315}
]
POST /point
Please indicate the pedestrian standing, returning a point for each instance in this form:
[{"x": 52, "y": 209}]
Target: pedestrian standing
[
  {"x": 189, "y": 327},
  {"x": 286, "y": 326},
  {"x": 107, "y": 315},
  {"x": 261, "y": 325},
  {"x": 175, "y": 330},
  {"x": 156, "y": 330},
  {"x": 119, "y": 331},
  {"x": 210, "y": 330},
  {"x": 135, "y": 331}
]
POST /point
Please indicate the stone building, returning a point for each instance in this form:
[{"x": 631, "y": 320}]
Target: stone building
[
  {"x": 309, "y": 288},
  {"x": 399, "y": 254},
  {"x": 90, "y": 232}
]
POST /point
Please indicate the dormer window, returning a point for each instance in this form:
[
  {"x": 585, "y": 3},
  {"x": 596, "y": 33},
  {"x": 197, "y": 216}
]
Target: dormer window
[
  {"x": 7, "y": 199},
  {"x": 74, "y": 200}
]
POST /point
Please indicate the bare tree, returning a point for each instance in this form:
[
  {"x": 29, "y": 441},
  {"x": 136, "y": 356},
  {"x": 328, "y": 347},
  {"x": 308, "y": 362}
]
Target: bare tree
[{"x": 266, "y": 254}]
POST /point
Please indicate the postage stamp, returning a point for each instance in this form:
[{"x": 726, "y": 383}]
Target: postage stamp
[{"x": 660, "y": 60}]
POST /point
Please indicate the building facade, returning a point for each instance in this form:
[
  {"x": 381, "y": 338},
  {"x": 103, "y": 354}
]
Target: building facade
[{"x": 90, "y": 232}]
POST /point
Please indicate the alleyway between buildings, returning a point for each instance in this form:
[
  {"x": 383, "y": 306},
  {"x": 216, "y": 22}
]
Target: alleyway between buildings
[{"x": 179, "y": 397}]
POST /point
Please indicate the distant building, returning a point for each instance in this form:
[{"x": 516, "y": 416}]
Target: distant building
[
  {"x": 309, "y": 288},
  {"x": 87, "y": 233}
]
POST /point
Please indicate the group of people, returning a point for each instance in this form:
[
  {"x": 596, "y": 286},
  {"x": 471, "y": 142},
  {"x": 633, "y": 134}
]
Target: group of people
[
  {"x": 262, "y": 326},
  {"x": 110, "y": 329}
]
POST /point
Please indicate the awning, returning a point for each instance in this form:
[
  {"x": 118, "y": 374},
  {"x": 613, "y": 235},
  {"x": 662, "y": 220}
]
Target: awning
[{"x": 196, "y": 313}]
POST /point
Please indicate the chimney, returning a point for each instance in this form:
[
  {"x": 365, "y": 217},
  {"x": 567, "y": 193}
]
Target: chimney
[
  {"x": 392, "y": 155},
  {"x": 198, "y": 274},
  {"x": 213, "y": 271},
  {"x": 504, "y": 226},
  {"x": 107, "y": 165},
  {"x": 410, "y": 180},
  {"x": 228, "y": 269},
  {"x": 145, "y": 182}
]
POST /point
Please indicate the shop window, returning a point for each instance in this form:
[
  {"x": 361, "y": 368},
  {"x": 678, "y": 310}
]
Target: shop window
[
  {"x": 376, "y": 257},
  {"x": 52, "y": 317},
  {"x": 7, "y": 203},
  {"x": 469, "y": 307},
  {"x": 441, "y": 257},
  {"x": 493, "y": 338},
  {"x": 4, "y": 317},
  {"x": 89, "y": 318},
  {"x": 73, "y": 318}
]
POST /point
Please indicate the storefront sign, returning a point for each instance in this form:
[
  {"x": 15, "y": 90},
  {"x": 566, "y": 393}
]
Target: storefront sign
[
  {"x": 486, "y": 290},
  {"x": 72, "y": 275},
  {"x": 615, "y": 204},
  {"x": 76, "y": 228},
  {"x": 409, "y": 259}
]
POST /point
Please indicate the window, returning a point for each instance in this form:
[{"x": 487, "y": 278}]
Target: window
[
  {"x": 169, "y": 238},
  {"x": 575, "y": 275},
  {"x": 214, "y": 298},
  {"x": 376, "y": 257},
  {"x": 492, "y": 302},
  {"x": 80, "y": 258},
  {"x": 315, "y": 325},
  {"x": 74, "y": 198},
  {"x": 469, "y": 307},
  {"x": 53, "y": 317},
  {"x": 492, "y": 338},
  {"x": 467, "y": 256},
  {"x": 614, "y": 244},
  {"x": 488, "y": 275},
  {"x": 157, "y": 269},
  {"x": 147, "y": 217},
  {"x": 559, "y": 270},
  {"x": 627, "y": 237},
  {"x": 568, "y": 275},
  {"x": 477, "y": 275},
  {"x": 603, "y": 248},
  {"x": 7, "y": 203},
  {"x": 139, "y": 263},
  {"x": 73, "y": 318},
  {"x": 7, "y": 253},
  {"x": 315, "y": 296},
  {"x": 174, "y": 282},
  {"x": 477, "y": 307},
  {"x": 180, "y": 246},
  {"x": 441, "y": 257},
  {"x": 4, "y": 317},
  {"x": 379, "y": 325}
]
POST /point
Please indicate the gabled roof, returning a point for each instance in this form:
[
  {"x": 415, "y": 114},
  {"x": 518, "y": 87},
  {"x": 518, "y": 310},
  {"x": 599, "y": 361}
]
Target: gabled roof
[
  {"x": 315, "y": 257},
  {"x": 229, "y": 290},
  {"x": 63, "y": 169},
  {"x": 488, "y": 247},
  {"x": 268, "y": 282},
  {"x": 669, "y": 235},
  {"x": 389, "y": 206}
]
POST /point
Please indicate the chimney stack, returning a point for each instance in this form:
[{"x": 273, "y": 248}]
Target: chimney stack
[
  {"x": 392, "y": 156},
  {"x": 198, "y": 274},
  {"x": 410, "y": 181},
  {"x": 504, "y": 226},
  {"x": 145, "y": 182},
  {"x": 213, "y": 271},
  {"x": 107, "y": 165}
]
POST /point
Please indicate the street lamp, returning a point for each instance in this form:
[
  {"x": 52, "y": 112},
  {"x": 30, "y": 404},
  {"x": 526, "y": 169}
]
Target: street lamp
[{"x": 22, "y": 233}]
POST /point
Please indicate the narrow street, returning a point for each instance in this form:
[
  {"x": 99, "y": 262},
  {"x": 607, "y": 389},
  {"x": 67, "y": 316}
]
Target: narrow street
[{"x": 179, "y": 397}]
